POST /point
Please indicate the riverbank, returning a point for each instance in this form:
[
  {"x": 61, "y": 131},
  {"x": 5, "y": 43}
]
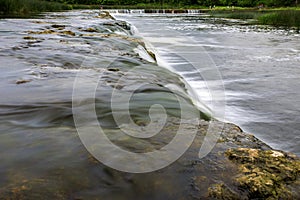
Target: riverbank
[
  {"x": 278, "y": 17},
  {"x": 28, "y": 8},
  {"x": 281, "y": 17},
  {"x": 288, "y": 17},
  {"x": 253, "y": 169}
]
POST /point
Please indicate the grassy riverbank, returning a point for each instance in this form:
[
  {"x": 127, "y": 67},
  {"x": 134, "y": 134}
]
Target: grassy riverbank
[
  {"x": 285, "y": 18},
  {"x": 22, "y": 8},
  {"x": 279, "y": 17}
]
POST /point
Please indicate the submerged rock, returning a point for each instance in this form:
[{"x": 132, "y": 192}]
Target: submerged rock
[
  {"x": 105, "y": 15},
  {"x": 151, "y": 54},
  {"x": 221, "y": 191},
  {"x": 58, "y": 26},
  {"x": 125, "y": 37},
  {"x": 71, "y": 33},
  {"x": 47, "y": 31},
  {"x": 18, "y": 82},
  {"x": 39, "y": 22},
  {"x": 91, "y": 30},
  {"x": 238, "y": 167},
  {"x": 118, "y": 23},
  {"x": 50, "y": 31},
  {"x": 29, "y": 38}
]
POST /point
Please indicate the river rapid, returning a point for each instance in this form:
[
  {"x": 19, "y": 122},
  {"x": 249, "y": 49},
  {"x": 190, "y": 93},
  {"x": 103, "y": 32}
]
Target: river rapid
[
  {"x": 243, "y": 74},
  {"x": 259, "y": 67}
]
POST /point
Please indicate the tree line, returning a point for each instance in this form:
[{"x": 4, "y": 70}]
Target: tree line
[
  {"x": 178, "y": 3},
  {"x": 34, "y": 6}
]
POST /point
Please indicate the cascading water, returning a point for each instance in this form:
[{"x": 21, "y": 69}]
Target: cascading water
[
  {"x": 44, "y": 61},
  {"x": 250, "y": 66}
]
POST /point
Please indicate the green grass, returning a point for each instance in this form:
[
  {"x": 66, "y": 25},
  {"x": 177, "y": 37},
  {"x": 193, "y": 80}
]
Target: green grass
[
  {"x": 235, "y": 14},
  {"x": 151, "y": 6},
  {"x": 27, "y": 7},
  {"x": 283, "y": 18},
  {"x": 243, "y": 15},
  {"x": 81, "y": 6},
  {"x": 230, "y": 8},
  {"x": 285, "y": 8},
  {"x": 287, "y": 17},
  {"x": 279, "y": 17}
]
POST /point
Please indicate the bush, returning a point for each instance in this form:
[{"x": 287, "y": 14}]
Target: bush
[{"x": 24, "y": 7}]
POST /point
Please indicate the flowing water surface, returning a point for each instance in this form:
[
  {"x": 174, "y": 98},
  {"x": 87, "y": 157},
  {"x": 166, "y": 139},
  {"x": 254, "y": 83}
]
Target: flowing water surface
[
  {"x": 259, "y": 66},
  {"x": 41, "y": 153}
]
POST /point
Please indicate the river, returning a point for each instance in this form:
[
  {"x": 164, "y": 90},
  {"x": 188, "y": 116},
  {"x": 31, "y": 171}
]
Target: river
[
  {"x": 243, "y": 74},
  {"x": 259, "y": 67}
]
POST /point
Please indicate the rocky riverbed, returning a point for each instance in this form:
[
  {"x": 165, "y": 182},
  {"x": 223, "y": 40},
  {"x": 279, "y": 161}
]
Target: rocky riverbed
[
  {"x": 239, "y": 167},
  {"x": 42, "y": 156}
]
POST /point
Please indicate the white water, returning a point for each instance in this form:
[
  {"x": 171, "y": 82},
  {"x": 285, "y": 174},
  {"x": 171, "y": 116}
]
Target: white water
[{"x": 259, "y": 67}]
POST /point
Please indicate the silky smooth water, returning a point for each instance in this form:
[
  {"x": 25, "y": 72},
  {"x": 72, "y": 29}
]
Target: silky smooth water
[
  {"x": 42, "y": 156},
  {"x": 259, "y": 67}
]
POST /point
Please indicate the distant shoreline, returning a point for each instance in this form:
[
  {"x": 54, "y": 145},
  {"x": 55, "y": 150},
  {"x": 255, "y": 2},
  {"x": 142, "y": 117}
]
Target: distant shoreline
[{"x": 279, "y": 17}]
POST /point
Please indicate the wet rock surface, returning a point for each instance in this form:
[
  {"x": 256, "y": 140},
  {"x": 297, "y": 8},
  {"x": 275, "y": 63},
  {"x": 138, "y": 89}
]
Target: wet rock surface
[
  {"x": 266, "y": 174},
  {"x": 251, "y": 170},
  {"x": 262, "y": 173},
  {"x": 105, "y": 15}
]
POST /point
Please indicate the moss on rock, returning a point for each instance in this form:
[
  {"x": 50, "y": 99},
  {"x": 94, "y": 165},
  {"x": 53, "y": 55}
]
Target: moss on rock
[
  {"x": 221, "y": 191},
  {"x": 49, "y": 31},
  {"x": 265, "y": 173},
  {"x": 71, "y": 33}
]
